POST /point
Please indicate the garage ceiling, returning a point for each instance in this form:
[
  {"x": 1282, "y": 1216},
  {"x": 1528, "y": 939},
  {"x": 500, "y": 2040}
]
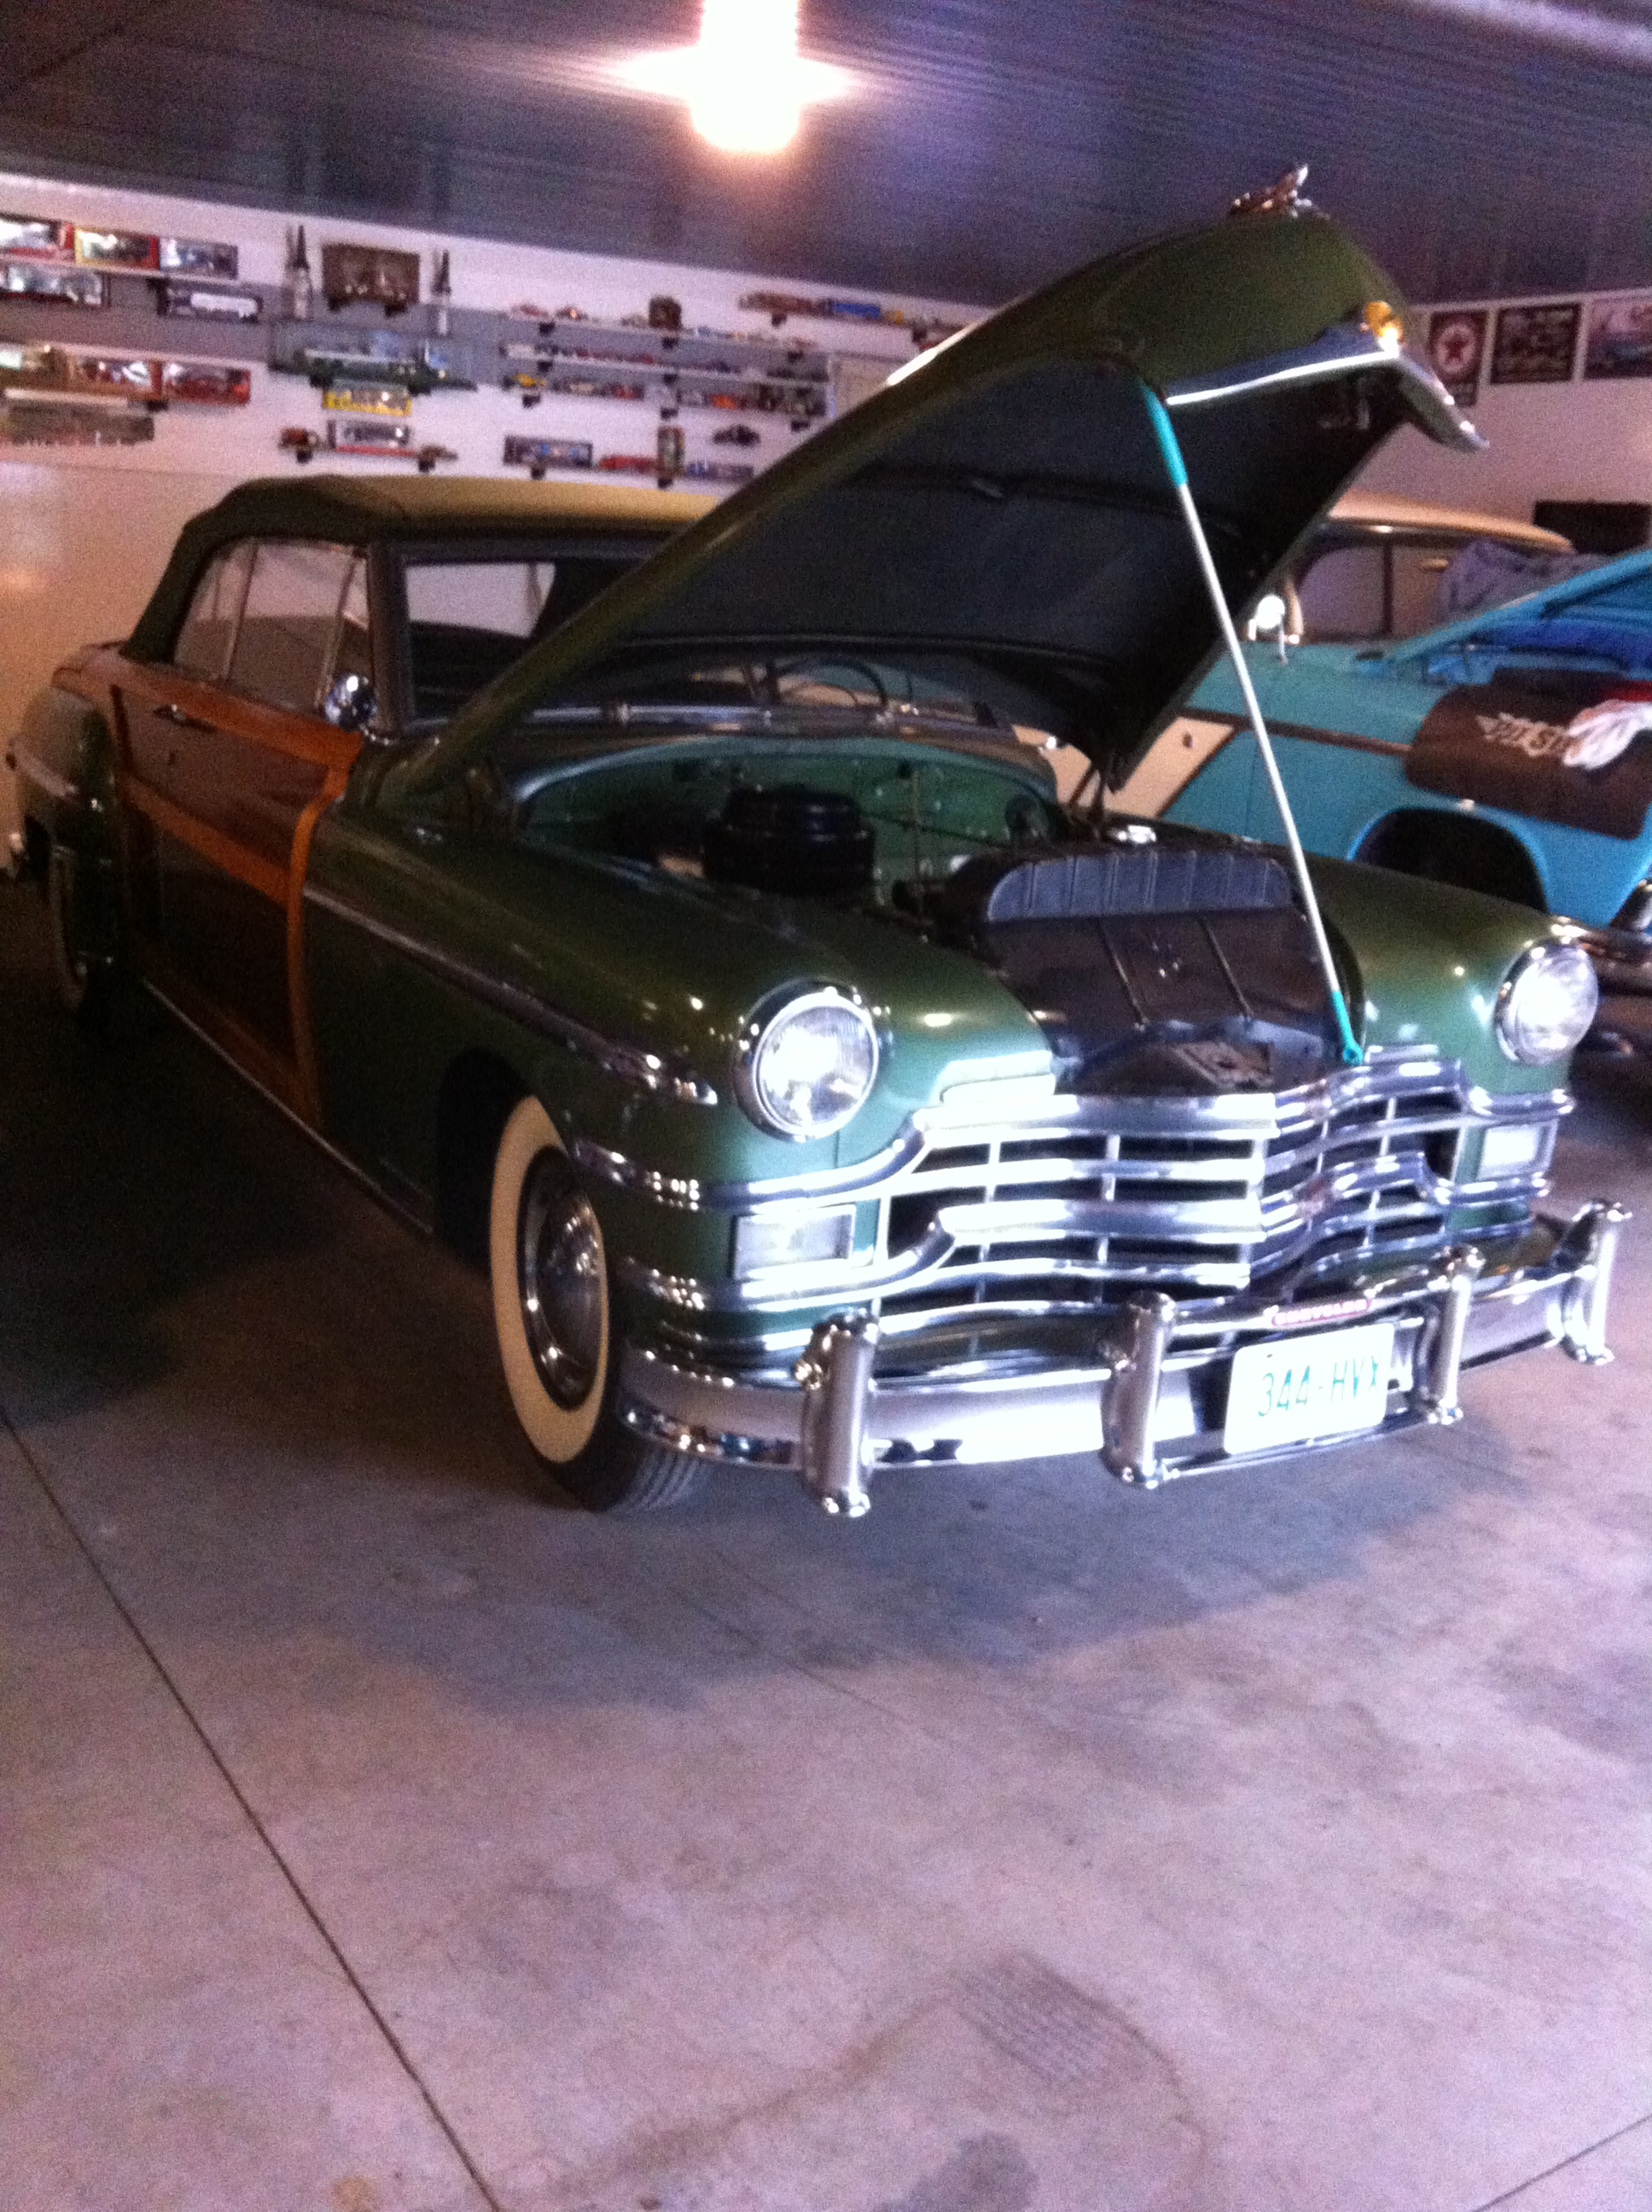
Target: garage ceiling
[{"x": 1480, "y": 146}]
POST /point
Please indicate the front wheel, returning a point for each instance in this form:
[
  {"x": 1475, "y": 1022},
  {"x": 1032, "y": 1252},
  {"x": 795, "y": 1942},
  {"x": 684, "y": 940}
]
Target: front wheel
[{"x": 553, "y": 1318}]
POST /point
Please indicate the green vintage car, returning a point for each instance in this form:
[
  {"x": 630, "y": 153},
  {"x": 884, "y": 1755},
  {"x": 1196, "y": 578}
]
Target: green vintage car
[{"x": 821, "y": 1092}]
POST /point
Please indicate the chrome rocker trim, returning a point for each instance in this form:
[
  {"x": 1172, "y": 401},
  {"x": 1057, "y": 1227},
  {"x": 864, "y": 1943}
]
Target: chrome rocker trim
[{"x": 1150, "y": 1405}]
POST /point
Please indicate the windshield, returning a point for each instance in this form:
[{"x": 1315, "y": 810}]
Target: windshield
[
  {"x": 697, "y": 681},
  {"x": 799, "y": 700}
]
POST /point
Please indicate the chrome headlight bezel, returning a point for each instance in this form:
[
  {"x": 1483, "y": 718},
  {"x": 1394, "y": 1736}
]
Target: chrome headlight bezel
[
  {"x": 1525, "y": 1034},
  {"x": 758, "y": 1039}
]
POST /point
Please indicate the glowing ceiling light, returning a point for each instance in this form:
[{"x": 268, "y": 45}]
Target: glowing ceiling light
[
  {"x": 745, "y": 84},
  {"x": 748, "y": 100}
]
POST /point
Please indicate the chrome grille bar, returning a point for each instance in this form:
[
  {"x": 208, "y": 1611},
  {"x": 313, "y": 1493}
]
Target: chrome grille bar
[
  {"x": 1059, "y": 1203},
  {"x": 1202, "y": 1193}
]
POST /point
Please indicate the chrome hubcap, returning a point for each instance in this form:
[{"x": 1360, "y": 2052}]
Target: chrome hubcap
[{"x": 560, "y": 1276}]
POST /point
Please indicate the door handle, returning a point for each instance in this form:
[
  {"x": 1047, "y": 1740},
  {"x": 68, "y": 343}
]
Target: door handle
[{"x": 179, "y": 719}]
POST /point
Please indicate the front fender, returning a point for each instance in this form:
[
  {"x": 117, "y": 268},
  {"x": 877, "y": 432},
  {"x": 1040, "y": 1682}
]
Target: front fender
[
  {"x": 64, "y": 760},
  {"x": 1430, "y": 961}
]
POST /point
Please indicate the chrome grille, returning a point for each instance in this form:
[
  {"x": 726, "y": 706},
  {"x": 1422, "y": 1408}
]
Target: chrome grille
[{"x": 1193, "y": 1196}]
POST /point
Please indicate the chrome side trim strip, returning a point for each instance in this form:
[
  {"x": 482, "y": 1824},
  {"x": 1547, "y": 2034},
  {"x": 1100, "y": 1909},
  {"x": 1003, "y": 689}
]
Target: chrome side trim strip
[
  {"x": 1312, "y": 733},
  {"x": 647, "y": 1070},
  {"x": 1334, "y": 354},
  {"x": 684, "y": 1192},
  {"x": 55, "y": 786}
]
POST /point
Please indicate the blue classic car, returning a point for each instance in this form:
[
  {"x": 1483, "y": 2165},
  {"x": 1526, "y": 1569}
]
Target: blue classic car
[{"x": 1509, "y": 752}]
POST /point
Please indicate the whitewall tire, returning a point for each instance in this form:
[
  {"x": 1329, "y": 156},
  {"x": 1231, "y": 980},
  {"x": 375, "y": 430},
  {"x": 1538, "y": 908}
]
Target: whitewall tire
[{"x": 553, "y": 1318}]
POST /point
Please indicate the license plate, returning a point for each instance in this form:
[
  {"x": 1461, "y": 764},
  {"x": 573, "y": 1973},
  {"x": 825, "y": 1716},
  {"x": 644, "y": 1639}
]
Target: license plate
[{"x": 1303, "y": 1387}]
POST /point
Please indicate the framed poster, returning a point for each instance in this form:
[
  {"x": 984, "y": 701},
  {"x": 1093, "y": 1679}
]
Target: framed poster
[
  {"x": 1456, "y": 351},
  {"x": 1619, "y": 339},
  {"x": 374, "y": 275},
  {"x": 1536, "y": 345}
]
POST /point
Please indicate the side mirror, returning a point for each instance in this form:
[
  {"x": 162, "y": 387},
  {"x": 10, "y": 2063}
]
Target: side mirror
[{"x": 350, "y": 704}]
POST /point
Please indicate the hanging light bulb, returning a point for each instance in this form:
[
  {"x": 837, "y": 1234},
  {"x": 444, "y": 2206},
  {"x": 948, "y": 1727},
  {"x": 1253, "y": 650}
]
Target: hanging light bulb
[
  {"x": 749, "y": 98},
  {"x": 745, "y": 84}
]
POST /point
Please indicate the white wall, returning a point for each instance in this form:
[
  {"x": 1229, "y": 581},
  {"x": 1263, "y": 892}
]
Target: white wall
[
  {"x": 85, "y": 530},
  {"x": 1576, "y": 440},
  {"x": 79, "y": 551}
]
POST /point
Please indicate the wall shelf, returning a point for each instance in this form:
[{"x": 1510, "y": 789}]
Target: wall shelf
[
  {"x": 578, "y": 356},
  {"x": 326, "y": 353}
]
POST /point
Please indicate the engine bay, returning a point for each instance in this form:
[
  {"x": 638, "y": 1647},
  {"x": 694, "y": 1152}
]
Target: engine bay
[{"x": 1154, "y": 958}]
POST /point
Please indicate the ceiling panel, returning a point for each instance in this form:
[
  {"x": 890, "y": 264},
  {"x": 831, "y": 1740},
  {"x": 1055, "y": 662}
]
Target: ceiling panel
[{"x": 1478, "y": 146}]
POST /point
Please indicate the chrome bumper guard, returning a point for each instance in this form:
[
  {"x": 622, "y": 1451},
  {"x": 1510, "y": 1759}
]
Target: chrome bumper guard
[{"x": 1151, "y": 1404}]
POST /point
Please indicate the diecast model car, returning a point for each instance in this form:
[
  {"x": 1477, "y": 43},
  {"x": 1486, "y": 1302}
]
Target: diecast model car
[{"x": 822, "y": 1093}]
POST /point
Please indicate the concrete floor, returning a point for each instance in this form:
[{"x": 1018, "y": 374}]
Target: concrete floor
[{"x": 377, "y": 1837}]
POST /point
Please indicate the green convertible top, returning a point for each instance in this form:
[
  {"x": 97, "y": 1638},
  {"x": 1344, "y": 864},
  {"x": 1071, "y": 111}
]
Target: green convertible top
[{"x": 360, "y": 510}]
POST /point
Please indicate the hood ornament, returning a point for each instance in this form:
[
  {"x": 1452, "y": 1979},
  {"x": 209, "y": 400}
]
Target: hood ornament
[{"x": 1284, "y": 196}]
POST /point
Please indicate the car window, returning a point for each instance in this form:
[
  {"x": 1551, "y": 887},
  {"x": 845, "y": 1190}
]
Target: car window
[
  {"x": 1415, "y": 573},
  {"x": 1342, "y": 594},
  {"x": 294, "y": 603},
  {"x": 506, "y": 597},
  {"x": 467, "y": 621},
  {"x": 209, "y": 630},
  {"x": 353, "y": 655}
]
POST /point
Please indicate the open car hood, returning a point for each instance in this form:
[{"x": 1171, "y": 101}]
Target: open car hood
[
  {"x": 1604, "y": 612},
  {"x": 998, "y": 519}
]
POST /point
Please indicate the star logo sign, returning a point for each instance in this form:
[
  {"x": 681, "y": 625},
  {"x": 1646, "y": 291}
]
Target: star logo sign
[{"x": 1457, "y": 348}]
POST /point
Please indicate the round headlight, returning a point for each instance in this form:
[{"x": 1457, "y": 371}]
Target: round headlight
[
  {"x": 1546, "y": 1005},
  {"x": 804, "y": 1069}
]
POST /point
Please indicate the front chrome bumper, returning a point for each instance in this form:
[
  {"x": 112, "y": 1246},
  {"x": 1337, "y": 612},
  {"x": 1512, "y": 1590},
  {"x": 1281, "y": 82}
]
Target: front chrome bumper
[{"x": 1150, "y": 1403}]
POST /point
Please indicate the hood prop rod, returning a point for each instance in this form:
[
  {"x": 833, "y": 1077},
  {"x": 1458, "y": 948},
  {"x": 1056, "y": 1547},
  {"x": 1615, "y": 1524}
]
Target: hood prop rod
[{"x": 1177, "y": 468}]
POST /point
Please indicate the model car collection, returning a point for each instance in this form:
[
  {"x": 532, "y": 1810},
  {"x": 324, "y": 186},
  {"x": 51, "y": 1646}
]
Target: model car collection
[{"x": 675, "y": 916}]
